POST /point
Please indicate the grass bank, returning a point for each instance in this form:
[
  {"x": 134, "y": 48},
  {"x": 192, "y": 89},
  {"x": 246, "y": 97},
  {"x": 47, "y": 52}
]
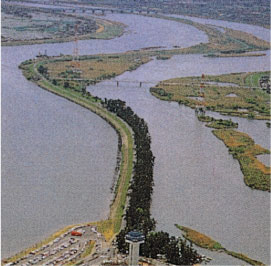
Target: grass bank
[
  {"x": 206, "y": 242},
  {"x": 112, "y": 225},
  {"x": 72, "y": 93}
]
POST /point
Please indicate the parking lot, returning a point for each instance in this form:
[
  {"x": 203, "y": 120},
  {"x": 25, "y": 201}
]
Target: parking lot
[{"x": 67, "y": 248}]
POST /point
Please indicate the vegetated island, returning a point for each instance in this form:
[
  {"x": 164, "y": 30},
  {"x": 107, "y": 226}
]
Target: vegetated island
[
  {"x": 236, "y": 94},
  {"x": 243, "y": 148},
  {"x": 206, "y": 242},
  {"x": 230, "y": 98},
  {"x": 23, "y": 25}
]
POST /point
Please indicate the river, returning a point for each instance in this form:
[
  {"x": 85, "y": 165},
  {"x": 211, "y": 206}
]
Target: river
[
  {"x": 53, "y": 169},
  {"x": 53, "y": 152},
  {"x": 193, "y": 170},
  {"x": 257, "y": 31}
]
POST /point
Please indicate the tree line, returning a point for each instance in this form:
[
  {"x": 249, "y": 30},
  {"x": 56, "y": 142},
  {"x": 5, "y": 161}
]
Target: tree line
[{"x": 138, "y": 216}]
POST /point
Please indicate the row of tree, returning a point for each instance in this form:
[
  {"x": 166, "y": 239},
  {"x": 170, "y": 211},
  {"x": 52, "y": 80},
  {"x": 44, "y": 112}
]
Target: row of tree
[{"x": 138, "y": 216}]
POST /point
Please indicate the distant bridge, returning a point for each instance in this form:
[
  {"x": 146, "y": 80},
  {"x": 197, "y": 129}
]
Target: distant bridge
[
  {"x": 100, "y": 10},
  {"x": 103, "y": 11},
  {"x": 140, "y": 83}
]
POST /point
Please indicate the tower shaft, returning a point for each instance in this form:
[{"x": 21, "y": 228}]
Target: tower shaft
[{"x": 133, "y": 254}]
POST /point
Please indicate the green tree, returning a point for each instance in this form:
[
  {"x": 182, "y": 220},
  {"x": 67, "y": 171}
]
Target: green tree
[
  {"x": 43, "y": 70},
  {"x": 66, "y": 84}
]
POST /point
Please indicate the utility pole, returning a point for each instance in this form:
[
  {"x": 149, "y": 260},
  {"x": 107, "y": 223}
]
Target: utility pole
[{"x": 75, "y": 56}]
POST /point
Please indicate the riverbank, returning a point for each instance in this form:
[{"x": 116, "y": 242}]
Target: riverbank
[
  {"x": 93, "y": 104},
  {"x": 206, "y": 242},
  {"x": 112, "y": 225}
]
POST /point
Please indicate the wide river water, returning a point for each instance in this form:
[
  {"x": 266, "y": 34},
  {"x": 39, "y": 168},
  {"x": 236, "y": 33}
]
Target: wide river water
[{"x": 58, "y": 159}]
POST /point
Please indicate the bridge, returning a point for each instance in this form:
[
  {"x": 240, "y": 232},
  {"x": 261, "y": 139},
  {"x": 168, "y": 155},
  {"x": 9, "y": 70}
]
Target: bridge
[
  {"x": 103, "y": 11},
  {"x": 150, "y": 82},
  {"x": 99, "y": 10}
]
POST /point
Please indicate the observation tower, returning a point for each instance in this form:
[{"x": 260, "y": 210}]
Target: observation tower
[{"x": 134, "y": 239}]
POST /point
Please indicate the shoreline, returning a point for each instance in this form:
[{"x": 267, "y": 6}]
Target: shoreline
[
  {"x": 208, "y": 243},
  {"x": 112, "y": 225}
]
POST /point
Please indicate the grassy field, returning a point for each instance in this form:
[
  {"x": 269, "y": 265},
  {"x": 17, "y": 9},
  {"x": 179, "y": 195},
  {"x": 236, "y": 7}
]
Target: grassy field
[
  {"x": 239, "y": 100},
  {"x": 243, "y": 148},
  {"x": 95, "y": 68},
  {"x": 206, "y": 242}
]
